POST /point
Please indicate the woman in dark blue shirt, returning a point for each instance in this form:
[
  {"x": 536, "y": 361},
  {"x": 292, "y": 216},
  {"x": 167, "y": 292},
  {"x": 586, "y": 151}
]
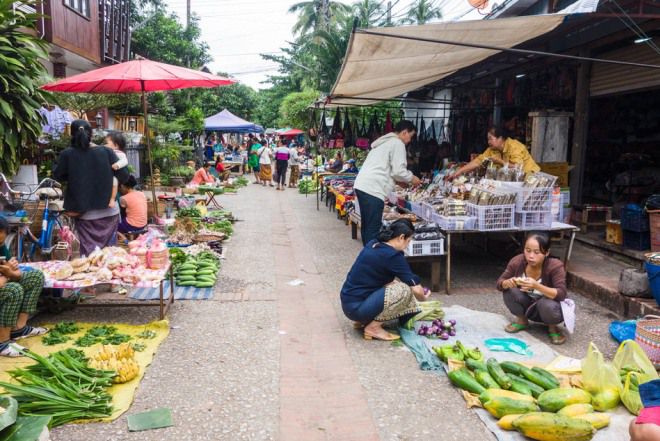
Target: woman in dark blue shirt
[{"x": 380, "y": 286}]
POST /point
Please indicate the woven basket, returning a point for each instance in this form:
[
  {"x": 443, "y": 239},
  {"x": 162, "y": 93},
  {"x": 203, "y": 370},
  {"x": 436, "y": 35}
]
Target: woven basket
[
  {"x": 206, "y": 237},
  {"x": 647, "y": 335}
]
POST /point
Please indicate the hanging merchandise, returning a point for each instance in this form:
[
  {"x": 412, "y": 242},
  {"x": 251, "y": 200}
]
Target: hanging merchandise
[
  {"x": 430, "y": 133},
  {"x": 389, "y": 128},
  {"x": 348, "y": 130},
  {"x": 313, "y": 130},
  {"x": 362, "y": 140},
  {"x": 374, "y": 131},
  {"x": 415, "y": 139},
  {"x": 337, "y": 134},
  {"x": 422, "y": 132},
  {"x": 324, "y": 133}
]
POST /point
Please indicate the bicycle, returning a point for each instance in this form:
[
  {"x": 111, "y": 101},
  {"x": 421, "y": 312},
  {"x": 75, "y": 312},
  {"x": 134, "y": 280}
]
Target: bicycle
[{"x": 49, "y": 191}]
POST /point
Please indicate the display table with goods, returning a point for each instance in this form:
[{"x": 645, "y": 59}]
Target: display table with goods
[
  {"x": 145, "y": 264},
  {"x": 77, "y": 373},
  {"x": 325, "y": 181},
  {"x": 508, "y": 208},
  {"x": 520, "y": 387}
]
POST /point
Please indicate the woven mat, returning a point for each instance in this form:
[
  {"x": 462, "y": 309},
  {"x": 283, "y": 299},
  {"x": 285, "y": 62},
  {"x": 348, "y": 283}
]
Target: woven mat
[{"x": 180, "y": 293}]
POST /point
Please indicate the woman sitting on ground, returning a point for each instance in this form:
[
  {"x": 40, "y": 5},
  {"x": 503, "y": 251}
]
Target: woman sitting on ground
[
  {"x": 223, "y": 173},
  {"x": 133, "y": 204},
  {"x": 380, "y": 286},
  {"x": 202, "y": 175},
  {"x": 534, "y": 285},
  {"x": 19, "y": 292}
]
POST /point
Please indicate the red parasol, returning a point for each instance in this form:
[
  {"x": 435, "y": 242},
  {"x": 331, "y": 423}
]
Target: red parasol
[
  {"x": 292, "y": 132},
  {"x": 138, "y": 76}
]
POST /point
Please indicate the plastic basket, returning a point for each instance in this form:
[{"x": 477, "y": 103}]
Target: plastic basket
[
  {"x": 532, "y": 200},
  {"x": 634, "y": 220},
  {"x": 427, "y": 211},
  {"x": 455, "y": 223},
  {"x": 416, "y": 208},
  {"x": 426, "y": 248},
  {"x": 529, "y": 221},
  {"x": 647, "y": 335},
  {"x": 492, "y": 217},
  {"x": 636, "y": 241}
]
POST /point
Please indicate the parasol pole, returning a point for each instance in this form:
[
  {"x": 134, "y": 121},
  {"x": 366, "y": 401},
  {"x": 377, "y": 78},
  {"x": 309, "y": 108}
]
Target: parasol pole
[{"x": 151, "y": 162}]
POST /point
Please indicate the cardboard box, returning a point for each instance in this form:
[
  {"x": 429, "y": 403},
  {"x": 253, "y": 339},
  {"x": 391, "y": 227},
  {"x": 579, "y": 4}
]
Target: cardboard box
[{"x": 559, "y": 169}]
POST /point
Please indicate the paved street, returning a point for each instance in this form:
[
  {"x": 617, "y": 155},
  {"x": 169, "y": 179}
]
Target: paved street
[{"x": 265, "y": 360}]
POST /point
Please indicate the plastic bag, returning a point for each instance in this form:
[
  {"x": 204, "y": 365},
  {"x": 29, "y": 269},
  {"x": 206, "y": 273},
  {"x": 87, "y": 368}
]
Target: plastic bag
[
  {"x": 631, "y": 357},
  {"x": 621, "y": 331},
  {"x": 601, "y": 379},
  {"x": 630, "y": 395},
  {"x": 508, "y": 345}
]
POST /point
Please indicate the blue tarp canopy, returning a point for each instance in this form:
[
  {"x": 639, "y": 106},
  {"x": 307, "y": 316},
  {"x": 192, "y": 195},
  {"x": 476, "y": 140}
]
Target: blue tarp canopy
[{"x": 226, "y": 121}]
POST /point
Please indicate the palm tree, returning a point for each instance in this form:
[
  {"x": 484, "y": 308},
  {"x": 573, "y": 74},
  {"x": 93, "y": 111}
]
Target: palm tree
[
  {"x": 422, "y": 12},
  {"x": 368, "y": 12},
  {"x": 316, "y": 15}
]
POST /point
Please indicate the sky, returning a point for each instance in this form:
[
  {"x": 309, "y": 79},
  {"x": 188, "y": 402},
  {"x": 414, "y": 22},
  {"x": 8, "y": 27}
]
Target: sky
[{"x": 237, "y": 31}]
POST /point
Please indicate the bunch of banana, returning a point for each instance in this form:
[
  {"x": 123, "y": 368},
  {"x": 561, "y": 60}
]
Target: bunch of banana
[{"x": 120, "y": 359}]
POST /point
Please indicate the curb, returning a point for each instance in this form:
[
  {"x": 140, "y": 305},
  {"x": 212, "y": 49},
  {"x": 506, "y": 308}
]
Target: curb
[{"x": 628, "y": 307}]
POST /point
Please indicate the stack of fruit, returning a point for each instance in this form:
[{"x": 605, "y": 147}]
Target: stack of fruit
[
  {"x": 198, "y": 271},
  {"x": 120, "y": 359},
  {"x": 530, "y": 400}
]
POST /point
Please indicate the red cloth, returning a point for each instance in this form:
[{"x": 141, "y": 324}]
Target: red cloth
[
  {"x": 220, "y": 167},
  {"x": 649, "y": 415}
]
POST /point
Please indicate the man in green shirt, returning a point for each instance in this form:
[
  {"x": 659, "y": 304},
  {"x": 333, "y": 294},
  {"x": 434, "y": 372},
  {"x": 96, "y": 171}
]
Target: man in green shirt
[
  {"x": 253, "y": 158},
  {"x": 19, "y": 292}
]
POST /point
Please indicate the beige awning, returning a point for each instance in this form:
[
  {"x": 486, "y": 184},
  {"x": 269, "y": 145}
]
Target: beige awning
[{"x": 381, "y": 67}]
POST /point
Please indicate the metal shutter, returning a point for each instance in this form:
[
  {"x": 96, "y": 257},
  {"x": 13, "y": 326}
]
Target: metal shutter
[{"x": 607, "y": 79}]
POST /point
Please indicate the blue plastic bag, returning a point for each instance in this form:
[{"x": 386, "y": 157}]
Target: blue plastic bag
[
  {"x": 508, "y": 345},
  {"x": 621, "y": 331}
]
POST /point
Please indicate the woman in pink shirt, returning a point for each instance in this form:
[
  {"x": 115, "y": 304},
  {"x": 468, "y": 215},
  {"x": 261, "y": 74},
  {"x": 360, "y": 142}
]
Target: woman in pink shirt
[
  {"x": 133, "y": 204},
  {"x": 203, "y": 176}
]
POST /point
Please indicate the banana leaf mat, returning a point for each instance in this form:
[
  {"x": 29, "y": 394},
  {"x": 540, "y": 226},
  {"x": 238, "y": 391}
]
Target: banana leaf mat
[
  {"x": 122, "y": 394},
  {"x": 472, "y": 328},
  {"x": 180, "y": 293}
]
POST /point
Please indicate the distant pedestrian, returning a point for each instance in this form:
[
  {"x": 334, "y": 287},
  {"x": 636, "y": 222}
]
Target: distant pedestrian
[
  {"x": 385, "y": 165},
  {"x": 282, "y": 155},
  {"x": 253, "y": 158},
  {"x": 294, "y": 165},
  {"x": 265, "y": 155}
]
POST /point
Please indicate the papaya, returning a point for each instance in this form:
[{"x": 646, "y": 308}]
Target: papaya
[
  {"x": 484, "y": 378},
  {"x": 537, "y": 378},
  {"x": 533, "y": 387},
  {"x": 501, "y": 406},
  {"x": 555, "y": 399},
  {"x": 511, "y": 367},
  {"x": 473, "y": 364},
  {"x": 462, "y": 378},
  {"x": 546, "y": 426},
  {"x": 489, "y": 394},
  {"x": 498, "y": 374},
  {"x": 506, "y": 422},
  {"x": 573, "y": 410},
  {"x": 606, "y": 399},
  {"x": 598, "y": 420}
]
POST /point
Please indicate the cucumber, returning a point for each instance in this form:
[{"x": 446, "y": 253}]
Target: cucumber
[
  {"x": 187, "y": 267},
  {"x": 539, "y": 379},
  {"x": 185, "y": 278},
  {"x": 533, "y": 387},
  {"x": 205, "y": 272},
  {"x": 204, "y": 284},
  {"x": 484, "y": 378},
  {"x": 520, "y": 387},
  {"x": 463, "y": 378},
  {"x": 205, "y": 264},
  {"x": 186, "y": 273},
  {"x": 187, "y": 283},
  {"x": 498, "y": 374},
  {"x": 473, "y": 365},
  {"x": 205, "y": 279}
]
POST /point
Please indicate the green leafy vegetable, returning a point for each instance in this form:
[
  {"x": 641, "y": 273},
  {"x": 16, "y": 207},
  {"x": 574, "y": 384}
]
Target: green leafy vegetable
[
  {"x": 148, "y": 334},
  {"x": 54, "y": 338},
  {"x": 139, "y": 347},
  {"x": 66, "y": 328}
]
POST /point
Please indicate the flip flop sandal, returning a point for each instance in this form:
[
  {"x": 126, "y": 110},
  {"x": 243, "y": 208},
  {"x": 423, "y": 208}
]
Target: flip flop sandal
[
  {"x": 557, "y": 338},
  {"x": 28, "y": 331},
  {"x": 12, "y": 350},
  {"x": 390, "y": 337},
  {"x": 512, "y": 328}
]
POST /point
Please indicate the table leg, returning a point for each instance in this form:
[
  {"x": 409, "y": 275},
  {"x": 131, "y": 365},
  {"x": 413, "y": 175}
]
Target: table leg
[
  {"x": 162, "y": 304},
  {"x": 353, "y": 230},
  {"x": 569, "y": 251},
  {"x": 435, "y": 275},
  {"x": 448, "y": 266},
  {"x": 317, "y": 196},
  {"x": 171, "y": 285}
]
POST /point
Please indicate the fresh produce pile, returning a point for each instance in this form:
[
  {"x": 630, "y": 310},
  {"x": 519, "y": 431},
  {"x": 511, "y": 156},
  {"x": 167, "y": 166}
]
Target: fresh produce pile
[
  {"x": 307, "y": 186},
  {"x": 457, "y": 351},
  {"x": 241, "y": 181},
  {"x": 104, "y": 334},
  {"x": 431, "y": 310},
  {"x": 222, "y": 226},
  {"x": 60, "y": 333},
  {"x": 62, "y": 385},
  {"x": 439, "y": 328},
  {"x": 200, "y": 271},
  {"x": 206, "y": 188},
  {"x": 529, "y": 400},
  {"x": 120, "y": 359},
  {"x": 188, "y": 212}
]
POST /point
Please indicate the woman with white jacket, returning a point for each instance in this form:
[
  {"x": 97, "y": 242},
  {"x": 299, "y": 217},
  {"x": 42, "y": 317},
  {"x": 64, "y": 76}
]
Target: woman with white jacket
[{"x": 385, "y": 165}]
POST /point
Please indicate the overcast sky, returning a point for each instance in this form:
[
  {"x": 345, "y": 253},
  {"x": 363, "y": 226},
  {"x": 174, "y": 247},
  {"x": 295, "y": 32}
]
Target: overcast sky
[{"x": 237, "y": 31}]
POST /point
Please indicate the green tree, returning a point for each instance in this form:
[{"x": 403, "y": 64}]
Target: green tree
[
  {"x": 368, "y": 13},
  {"x": 422, "y": 12},
  {"x": 295, "y": 111},
  {"x": 163, "y": 38},
  {"x": 20, "y": 97},
  {"x": 317, "y": 15},
  {"x": 86, "y": 102},
  {"x": 239, "y": 99}
]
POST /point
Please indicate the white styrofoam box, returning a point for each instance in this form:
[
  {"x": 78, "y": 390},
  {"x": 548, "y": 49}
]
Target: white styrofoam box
[{"x": 426, "y": 248}]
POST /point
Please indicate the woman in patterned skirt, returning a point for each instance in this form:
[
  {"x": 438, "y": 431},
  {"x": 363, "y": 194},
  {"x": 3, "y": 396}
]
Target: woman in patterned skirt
[{"x": 381, "y": 286}]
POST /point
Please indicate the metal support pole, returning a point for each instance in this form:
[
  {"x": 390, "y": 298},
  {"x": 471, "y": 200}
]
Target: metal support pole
[
  {"x": 580, "y": 131},
  {"x": 148, "y": 142}
]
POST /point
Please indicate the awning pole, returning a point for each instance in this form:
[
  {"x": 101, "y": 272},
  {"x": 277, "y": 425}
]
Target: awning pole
[{"x": 509, "y": 49}]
